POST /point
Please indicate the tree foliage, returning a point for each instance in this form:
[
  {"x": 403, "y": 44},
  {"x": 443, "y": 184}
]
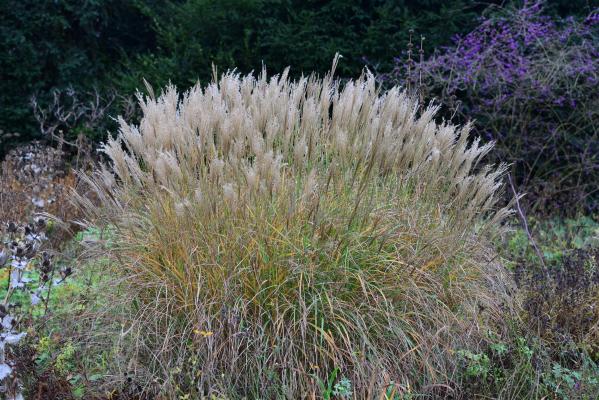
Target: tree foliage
[
  {"x": 113, "y": 44},
  {"x": 53, "y": 44}
]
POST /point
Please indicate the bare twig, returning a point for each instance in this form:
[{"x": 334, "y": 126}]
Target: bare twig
[{"x": 525, "y": 224}]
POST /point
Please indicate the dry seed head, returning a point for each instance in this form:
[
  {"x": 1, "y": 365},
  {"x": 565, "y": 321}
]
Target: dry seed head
[{"x": 246, "y": 133}]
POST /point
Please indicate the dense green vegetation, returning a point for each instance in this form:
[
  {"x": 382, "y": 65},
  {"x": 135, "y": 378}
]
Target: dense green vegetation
[
  {"x": 55, "y": 44},
  {"x": 111, "y": 45}
]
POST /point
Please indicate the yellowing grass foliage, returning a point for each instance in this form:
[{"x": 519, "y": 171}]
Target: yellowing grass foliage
[{"x": 270, "y": 231}]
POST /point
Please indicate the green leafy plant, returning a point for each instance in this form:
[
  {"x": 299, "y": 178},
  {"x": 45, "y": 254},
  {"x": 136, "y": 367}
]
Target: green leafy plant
[
  {"x": 327, "y": 387},
  {"x": 568, "y": 383},
  {"x": 343, "y": 389},
  {"x": 478, "y": 365}
]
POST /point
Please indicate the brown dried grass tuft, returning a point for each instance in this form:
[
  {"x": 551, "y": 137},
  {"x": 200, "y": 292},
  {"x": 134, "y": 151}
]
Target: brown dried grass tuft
[{"x": 36, "y": 179}]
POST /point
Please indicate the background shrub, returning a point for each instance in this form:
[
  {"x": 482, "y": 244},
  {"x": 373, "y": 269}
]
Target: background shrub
[
  {"x": 529, "y": 81},
  {"x": 111, "y": 45},
  {"x": 562, "y": 301},
  {"x": 35, "y": 179},
  {"x": 46, "y": 45},
  {"x": 194, "y": 34}
]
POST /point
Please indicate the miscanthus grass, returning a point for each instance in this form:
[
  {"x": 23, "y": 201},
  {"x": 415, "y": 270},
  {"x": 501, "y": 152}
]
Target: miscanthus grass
[{"x": 269, "y": 232}]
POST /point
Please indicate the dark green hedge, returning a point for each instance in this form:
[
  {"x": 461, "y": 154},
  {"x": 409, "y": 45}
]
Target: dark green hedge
[
  {"x": 113, "y": 44},
  {"x": 304, "y": 34},
  {"x": 47, "y": 44}
]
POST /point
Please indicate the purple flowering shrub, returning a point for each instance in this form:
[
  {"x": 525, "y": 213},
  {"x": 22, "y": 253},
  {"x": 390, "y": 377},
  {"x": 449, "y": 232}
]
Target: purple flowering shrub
[{"x": 530, "y": 83}]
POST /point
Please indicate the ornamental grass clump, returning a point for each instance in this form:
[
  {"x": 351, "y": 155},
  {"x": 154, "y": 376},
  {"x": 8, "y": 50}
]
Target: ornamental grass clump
[{"x": 275, "y": 237}]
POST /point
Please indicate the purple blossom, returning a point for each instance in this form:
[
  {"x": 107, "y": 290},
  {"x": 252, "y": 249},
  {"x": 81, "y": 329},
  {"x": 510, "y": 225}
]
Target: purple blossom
[{"x": 529, "y": 81}]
